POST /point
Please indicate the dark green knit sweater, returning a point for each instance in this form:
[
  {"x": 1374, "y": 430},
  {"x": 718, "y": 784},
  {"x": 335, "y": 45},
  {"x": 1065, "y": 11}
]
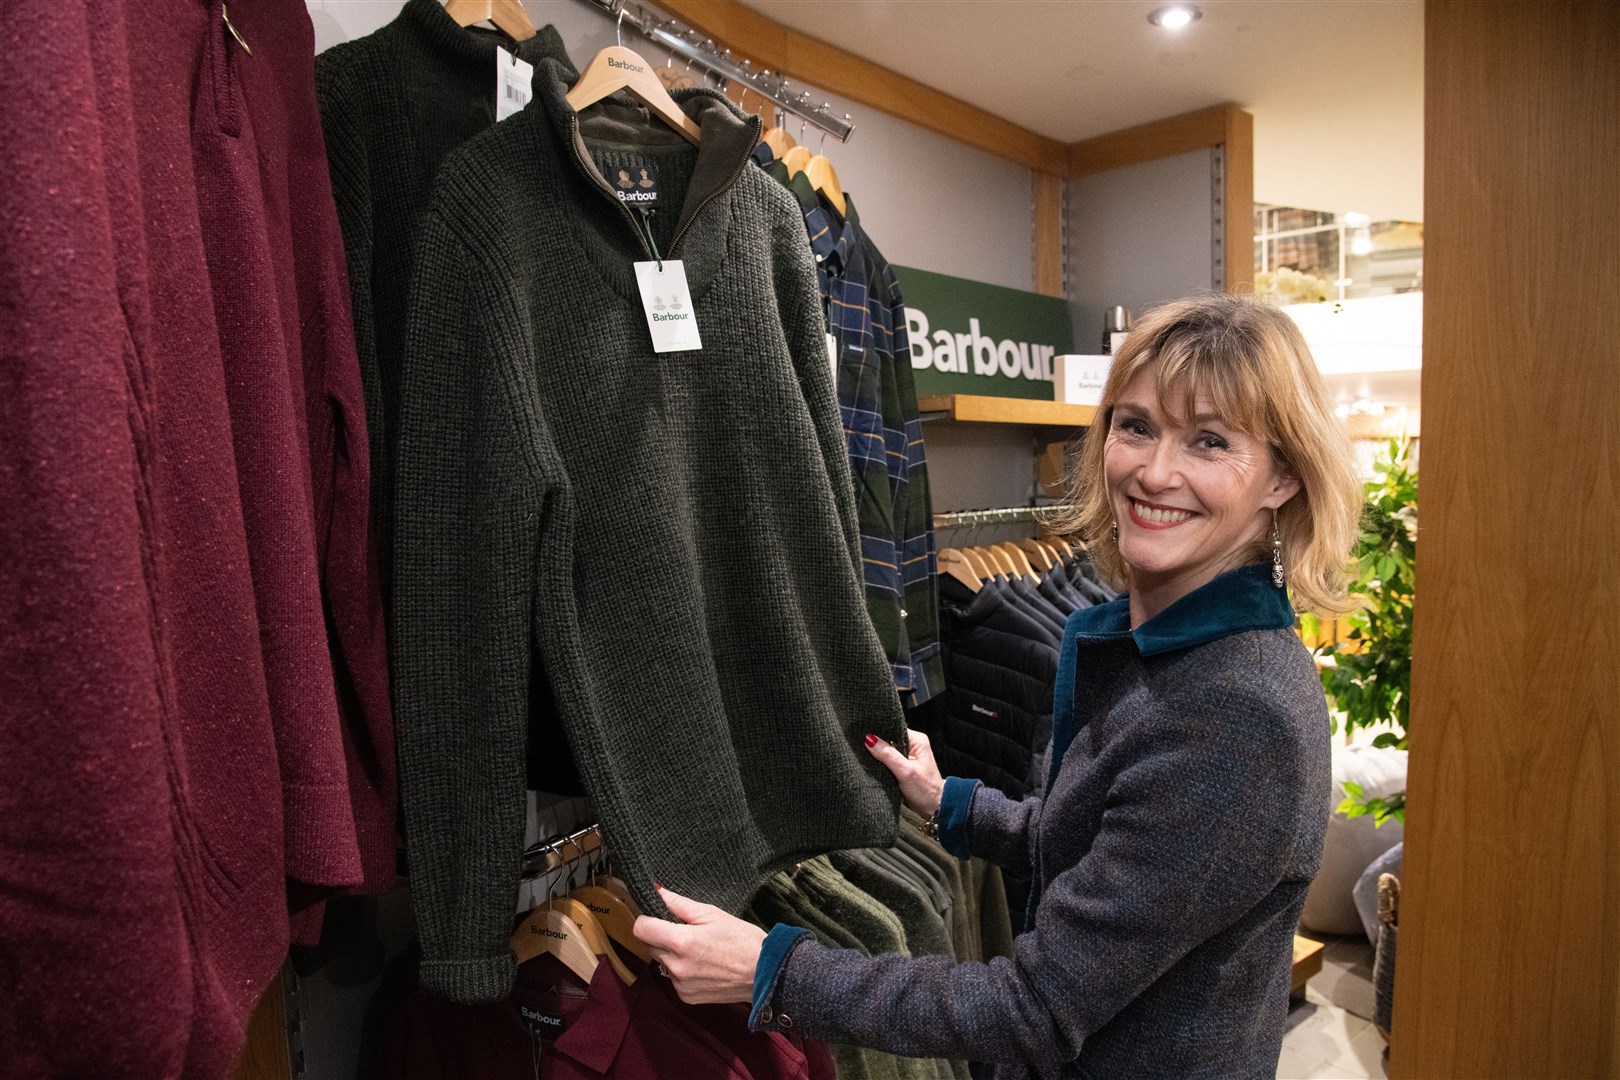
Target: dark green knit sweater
[
  {"x": 669, "y": 540},
  {"x": 393, "y": 104}
]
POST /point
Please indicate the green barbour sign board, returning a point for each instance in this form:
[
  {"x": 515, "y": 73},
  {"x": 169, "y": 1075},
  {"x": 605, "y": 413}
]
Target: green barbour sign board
[{"x": 970, "y": 338}]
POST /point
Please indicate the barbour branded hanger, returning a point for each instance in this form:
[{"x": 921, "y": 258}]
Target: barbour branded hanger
[
  {"x": 954, "y": 563},
  {"x": 546, "y": 930},
  {"x": 981, "y": 565},
  {"x": 617, "y": 68},
  {"x": 610, "y": 902},
  {"x": 507, "y": 15}
]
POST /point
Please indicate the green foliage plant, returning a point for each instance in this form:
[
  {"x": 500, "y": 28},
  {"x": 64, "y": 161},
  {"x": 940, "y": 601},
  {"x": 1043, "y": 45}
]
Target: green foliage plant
[{"x": 1370, "y": 679}]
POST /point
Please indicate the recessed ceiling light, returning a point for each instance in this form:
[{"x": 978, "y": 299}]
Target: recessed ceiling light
[{"x": 1175, "y": 16}]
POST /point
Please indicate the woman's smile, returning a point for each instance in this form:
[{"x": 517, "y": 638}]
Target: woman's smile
[{"x": 1146, "y": 515}]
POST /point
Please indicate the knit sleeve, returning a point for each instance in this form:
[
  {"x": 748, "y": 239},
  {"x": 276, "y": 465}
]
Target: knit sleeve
[
  {"x": 468, "y": 518},
  {"x": 1197, "y": 833},
  {"x": 799, "y": 299},
  {"x": 348, "y": 163}
]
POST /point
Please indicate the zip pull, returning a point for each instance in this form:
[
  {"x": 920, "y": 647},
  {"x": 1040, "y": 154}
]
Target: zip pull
[
  {"x": 646, "y": 213},
  {"x": 240, "y": 40}
]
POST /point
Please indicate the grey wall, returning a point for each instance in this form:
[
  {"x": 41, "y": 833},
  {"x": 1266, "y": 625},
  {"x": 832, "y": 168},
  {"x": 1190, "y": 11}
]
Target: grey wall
[
  {"x": 928, "y": 201},
  {"x": 1139, "y": 236}
]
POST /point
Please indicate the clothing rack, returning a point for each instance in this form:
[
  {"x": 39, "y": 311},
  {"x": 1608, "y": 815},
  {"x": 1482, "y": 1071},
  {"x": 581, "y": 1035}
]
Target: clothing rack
[
  {"x": 550, "y": 855},
  {"x": 973, "y": 519},
  {"x": 711, "y": 56}
]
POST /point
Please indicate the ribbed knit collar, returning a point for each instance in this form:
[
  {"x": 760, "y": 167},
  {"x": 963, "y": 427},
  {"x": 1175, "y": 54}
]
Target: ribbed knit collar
[
  {"x": 726, "y": 142},
  {"x": 1236, "y": 601},
  {"x": 474, "y": 47}
]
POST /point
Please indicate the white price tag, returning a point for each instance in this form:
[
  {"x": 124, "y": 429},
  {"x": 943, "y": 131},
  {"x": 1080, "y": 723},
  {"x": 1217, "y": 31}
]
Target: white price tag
[
  {"x": 832, "y": 355},
  {"x": 514, "y": 84},
  {"x": 668, "y": 305}
]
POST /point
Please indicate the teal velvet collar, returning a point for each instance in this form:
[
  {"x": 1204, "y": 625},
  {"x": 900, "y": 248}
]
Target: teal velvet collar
[{"x": 1238, "y": 600}]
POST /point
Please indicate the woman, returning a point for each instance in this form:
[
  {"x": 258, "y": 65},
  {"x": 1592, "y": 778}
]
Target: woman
[{"x": 1188, "y": 793}]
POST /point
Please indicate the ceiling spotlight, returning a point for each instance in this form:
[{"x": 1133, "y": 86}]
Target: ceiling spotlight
[{"x": 1175, "y": 16}]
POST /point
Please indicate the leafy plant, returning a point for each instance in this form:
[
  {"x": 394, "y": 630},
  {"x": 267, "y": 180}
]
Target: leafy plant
[{"x": 1370, "y": 680}]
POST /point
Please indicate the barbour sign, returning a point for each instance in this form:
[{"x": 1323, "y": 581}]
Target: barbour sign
[{"x": 971, "y": 338}]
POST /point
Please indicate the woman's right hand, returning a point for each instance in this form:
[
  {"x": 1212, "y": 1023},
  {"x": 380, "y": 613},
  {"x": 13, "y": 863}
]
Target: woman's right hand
[{"x": 921, "y": 784}]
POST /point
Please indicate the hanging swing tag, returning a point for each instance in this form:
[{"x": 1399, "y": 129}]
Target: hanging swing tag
[
  {"x": 668, "y": 304},
  {"x": 514, "y": 84}
]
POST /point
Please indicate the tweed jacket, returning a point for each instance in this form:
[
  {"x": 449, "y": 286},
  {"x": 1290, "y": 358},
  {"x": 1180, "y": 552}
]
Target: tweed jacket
[{"x": 1170, "y": 858}]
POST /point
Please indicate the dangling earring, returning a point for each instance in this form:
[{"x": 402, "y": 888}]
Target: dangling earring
[
  {"x": 1276, "y": 553},
  {"x": 1116, "y": 532}
]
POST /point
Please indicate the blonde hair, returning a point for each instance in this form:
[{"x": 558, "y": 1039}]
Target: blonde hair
[{"x": 1249, "y": 360}]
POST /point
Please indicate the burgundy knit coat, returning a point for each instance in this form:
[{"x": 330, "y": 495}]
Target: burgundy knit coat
[{"x": 194, "y": 718}]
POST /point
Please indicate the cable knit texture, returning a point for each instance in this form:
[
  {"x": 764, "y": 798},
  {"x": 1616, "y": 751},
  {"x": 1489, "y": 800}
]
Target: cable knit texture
[
  {"x": 1172, "y": 851},
  {"x": 670, "y": 540}
]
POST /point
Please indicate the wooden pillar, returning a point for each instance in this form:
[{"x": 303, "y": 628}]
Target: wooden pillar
[{"x": 1509, "y": 961}]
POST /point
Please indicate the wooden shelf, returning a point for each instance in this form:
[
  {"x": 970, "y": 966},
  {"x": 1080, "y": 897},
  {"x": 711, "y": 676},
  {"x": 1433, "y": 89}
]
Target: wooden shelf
[
  {"x": 978, "y": 409},
  {"x": 1307, "y": 961}
]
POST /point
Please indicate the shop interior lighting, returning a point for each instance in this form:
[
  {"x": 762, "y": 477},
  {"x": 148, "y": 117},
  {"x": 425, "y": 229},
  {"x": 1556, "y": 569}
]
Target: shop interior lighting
[
  {"x": 1356, "y": 220},
  {"x": 1175, "y": 16}
]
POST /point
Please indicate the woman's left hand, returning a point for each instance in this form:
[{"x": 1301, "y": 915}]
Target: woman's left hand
[{"x": 711, "y": 958}]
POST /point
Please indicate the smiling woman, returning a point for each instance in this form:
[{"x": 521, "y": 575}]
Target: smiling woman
[
  {"x": 1187, "y": 796},
  {"x": 1214, "y": 407}
]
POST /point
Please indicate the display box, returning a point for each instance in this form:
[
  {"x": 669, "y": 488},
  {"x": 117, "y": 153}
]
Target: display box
[{"x": 1077, "y": 379}]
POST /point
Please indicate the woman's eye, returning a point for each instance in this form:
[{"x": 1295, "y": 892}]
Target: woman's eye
[
  {"x": 1207, "y": 441},
  {"x": 1130, "y": 427}
]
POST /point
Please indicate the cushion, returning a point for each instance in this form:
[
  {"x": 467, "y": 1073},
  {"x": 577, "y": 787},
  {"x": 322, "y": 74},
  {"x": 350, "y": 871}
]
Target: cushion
[{"x": 1353, "y": 843}]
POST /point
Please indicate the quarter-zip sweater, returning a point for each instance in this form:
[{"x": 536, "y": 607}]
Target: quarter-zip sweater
[
  {"x": 669, "y": 541},
  {"x": 1170, "y": 857}
]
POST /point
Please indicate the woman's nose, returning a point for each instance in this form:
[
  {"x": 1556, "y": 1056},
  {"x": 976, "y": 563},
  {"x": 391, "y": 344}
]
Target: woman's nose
[{"x": 1162, "y": 469}]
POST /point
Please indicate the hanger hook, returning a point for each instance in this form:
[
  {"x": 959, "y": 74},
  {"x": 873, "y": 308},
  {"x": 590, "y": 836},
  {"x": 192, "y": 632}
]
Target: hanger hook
[
  {"x": 822, "y": 149},
  {"x": 618, "y": 28}
]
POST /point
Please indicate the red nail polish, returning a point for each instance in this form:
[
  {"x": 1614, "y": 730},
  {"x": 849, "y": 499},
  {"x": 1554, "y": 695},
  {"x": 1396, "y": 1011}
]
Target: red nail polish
[
  {"x": 871, "y": 740},
  {"x": 658, "y": 886}
]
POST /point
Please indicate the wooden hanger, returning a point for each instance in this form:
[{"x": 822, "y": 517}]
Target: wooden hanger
[
  {"x": 617, "y": 68},
  {"x": 507, "y": 15},
  {"x": 954, "y": 564},
  {"x": 998, "y": 559},
  {"x": 545, "y": 930},
  {"x": 777, "y": 138},
  {"x": 796, "y": 159},
  {"x": 1038, "y": 553},
  {"x": 824, "y": 178},
  {"x": 617, "y": 917},
  {"x": 981, "y": 566},
  {"x": 592, "y": 933},
  {"x": 1019, "y": 560}
]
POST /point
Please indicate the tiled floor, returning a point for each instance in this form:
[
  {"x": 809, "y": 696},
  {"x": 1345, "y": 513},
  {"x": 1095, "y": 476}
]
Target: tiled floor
[{"x": 1330, "y": 1036}]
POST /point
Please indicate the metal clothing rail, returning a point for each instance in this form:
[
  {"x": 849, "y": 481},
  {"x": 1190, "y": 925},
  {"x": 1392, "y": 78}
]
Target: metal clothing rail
[
  {"x": 554, "y": 854},
  {"x": 972, "y": 519},
  {"x": 706, "y": 52}
]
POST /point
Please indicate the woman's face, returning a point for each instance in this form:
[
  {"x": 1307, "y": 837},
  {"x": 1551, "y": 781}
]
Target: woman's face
[{"x": 1188, "y": 497}]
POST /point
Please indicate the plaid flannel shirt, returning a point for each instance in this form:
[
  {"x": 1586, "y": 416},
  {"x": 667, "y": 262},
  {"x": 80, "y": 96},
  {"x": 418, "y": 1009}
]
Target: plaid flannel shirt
[{"x": 878, "y": 401}]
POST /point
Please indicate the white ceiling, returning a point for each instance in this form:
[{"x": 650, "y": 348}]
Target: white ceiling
[{"x": 1335, "y": 86}]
